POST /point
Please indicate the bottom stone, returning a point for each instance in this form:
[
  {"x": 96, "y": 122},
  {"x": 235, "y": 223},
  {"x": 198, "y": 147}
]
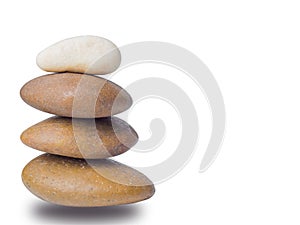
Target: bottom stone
[{"x": 76, "y": 182}]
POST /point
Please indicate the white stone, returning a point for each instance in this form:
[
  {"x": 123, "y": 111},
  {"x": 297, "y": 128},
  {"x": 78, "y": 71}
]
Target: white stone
[{"x": 82, "y": 54}]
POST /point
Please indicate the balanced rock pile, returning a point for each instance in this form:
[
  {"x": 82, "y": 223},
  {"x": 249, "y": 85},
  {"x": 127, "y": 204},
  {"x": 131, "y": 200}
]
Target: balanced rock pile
[{"x": 75, "y": 170}]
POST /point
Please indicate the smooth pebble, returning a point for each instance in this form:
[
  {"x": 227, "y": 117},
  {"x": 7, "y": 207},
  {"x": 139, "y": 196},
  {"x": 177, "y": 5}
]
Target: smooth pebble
[
  {"x": 82, "y": 54},
  {"x": 76, "y": 95},
  {"x": 74, "y": 182}
]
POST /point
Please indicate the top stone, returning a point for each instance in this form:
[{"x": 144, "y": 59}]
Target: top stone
[{"x": 82, "y": 54}]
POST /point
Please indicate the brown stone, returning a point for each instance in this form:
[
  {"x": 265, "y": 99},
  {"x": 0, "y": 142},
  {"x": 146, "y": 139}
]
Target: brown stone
[
  {"x": 74, "y": 182},
  {"x": 81, "y": 138},
  {"x": 76, "y": 95}
]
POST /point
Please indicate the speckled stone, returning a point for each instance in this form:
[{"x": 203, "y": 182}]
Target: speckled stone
[
  {"x": 81, "y": 138},
  {"x": 82, "y": 54},
  {"x": 74, "y": 182},
  {"x": 76, "y": 95}
]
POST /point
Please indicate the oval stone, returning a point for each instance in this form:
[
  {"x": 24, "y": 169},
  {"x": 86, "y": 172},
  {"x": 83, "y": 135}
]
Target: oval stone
[
  {"x": 83, "y": 54},
  {"x": 76, "y": 95},
  {"x": 74, "y": 182},
  {"x": 81, "y": 138}
]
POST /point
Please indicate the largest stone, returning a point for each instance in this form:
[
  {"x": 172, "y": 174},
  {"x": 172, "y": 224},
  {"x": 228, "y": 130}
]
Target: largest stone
[
  {"x": 76, "y": 95},
  {"x": 74, "y": 182}
]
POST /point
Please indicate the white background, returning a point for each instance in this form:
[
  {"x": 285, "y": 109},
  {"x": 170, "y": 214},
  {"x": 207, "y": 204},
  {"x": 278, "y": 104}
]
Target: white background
[{"x": 253, "y": 50}]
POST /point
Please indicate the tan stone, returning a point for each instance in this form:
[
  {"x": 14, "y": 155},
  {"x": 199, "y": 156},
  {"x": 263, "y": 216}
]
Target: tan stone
[
  {"x": 74, "y": 182},
  {"x": 81, "y": 138},
  {"x": 76, "y": 95}
]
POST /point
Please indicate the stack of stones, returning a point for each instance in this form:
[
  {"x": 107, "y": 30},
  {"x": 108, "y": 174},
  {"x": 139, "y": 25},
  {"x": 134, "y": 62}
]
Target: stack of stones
[{"x": 75, "y": 170}]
